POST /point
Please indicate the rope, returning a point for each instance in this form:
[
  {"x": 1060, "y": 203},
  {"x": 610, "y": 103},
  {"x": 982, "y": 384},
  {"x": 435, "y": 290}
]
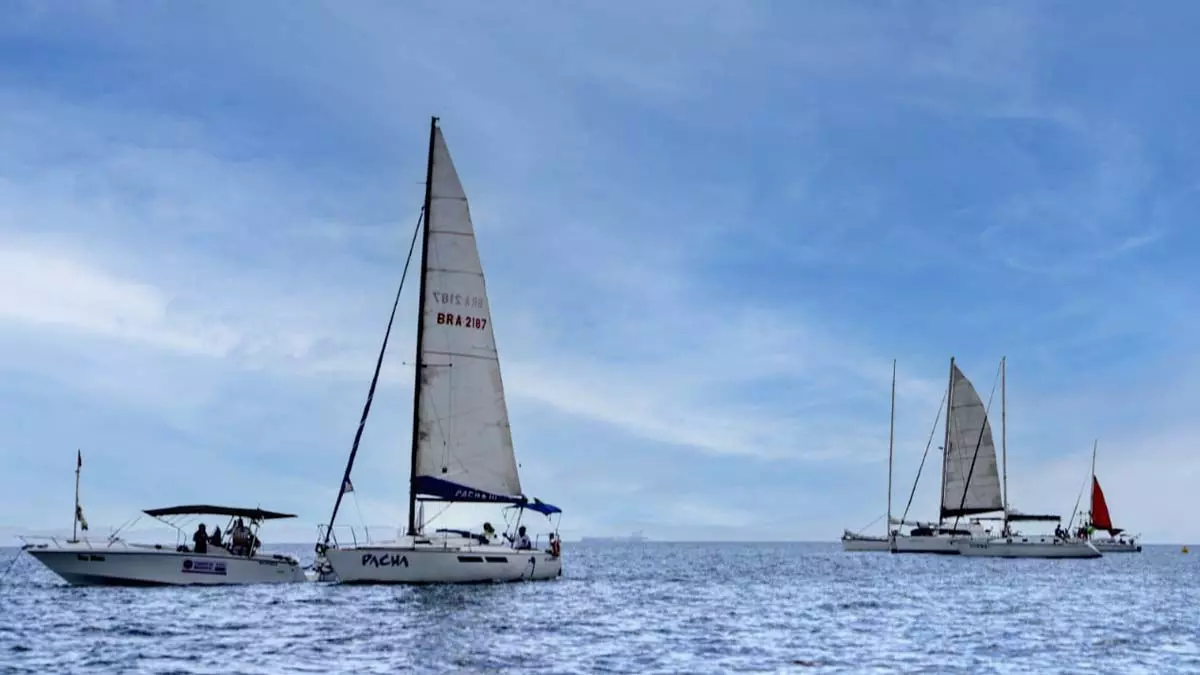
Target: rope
[
  {"x": 877, "y": 519},
  {"x": 920, "y": 468},
  {"x": 374, "y": 380}
]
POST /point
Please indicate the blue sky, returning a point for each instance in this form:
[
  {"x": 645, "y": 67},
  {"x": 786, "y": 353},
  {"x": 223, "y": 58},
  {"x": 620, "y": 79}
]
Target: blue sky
[{"x": 706, "y": 237}]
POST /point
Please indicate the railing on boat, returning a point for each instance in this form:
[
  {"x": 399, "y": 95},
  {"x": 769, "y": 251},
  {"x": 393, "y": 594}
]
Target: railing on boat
[{"x": 540, "y": 541}]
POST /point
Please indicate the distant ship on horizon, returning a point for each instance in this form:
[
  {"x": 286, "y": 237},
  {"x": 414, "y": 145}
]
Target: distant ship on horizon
[{"x": 636, "y": 536}]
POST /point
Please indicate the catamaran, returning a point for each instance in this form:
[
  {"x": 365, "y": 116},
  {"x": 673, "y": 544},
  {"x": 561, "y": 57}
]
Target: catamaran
[
  {"x": 970, "y": 481},
  {"x": 1009, "y": 543},
  {"x": 462, "y": 448},
  {"x": 857, "y": 541}
]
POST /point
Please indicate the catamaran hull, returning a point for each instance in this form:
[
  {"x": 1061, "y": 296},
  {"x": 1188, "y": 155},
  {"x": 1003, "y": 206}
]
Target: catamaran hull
[
  {"x": 864, "y": 544},
  {"x": 1117, "y": 546},
  {"x": 106, "y": 567},
  {"x": 1027, "y": 547},
  {"x": 922, "y": 544},
  {"x": 386, "y": 565}
]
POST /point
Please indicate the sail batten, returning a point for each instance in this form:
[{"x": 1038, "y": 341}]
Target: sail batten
[
  {"x": 464, "y": 449},
  {"x": 970, "y": 481}
]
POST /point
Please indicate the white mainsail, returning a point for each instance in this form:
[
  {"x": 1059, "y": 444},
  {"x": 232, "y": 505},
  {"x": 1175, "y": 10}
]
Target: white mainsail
[
  {"x": 970, "y": 482},
  {"x": 464, "y": 445}
]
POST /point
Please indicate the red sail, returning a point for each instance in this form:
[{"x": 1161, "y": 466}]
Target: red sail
[{"x": 1100, "y": 518}]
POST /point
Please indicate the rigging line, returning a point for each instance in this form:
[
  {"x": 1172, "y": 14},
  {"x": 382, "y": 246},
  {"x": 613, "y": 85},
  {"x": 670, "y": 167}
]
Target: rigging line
[
  {"x": 374, "y": 380},
  {"x": 361, "y": 520},
  {"x": 978, "y": 442},
  {"x": 932, "y": 431},
  {"x": 877, "y": 519},
  {"x": 1077, "y": 500}
]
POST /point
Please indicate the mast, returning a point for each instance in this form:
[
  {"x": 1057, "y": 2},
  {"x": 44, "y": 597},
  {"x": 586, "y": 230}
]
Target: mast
[
  {"x": 420, "y": 364},
  {"x": 1092, "y": 499},
  {"x": 891, "y": 444},
  {"x": 946, "y": 442},
  {"x": 1004, "y": 434},
  {"x": 75, "y": 516}
]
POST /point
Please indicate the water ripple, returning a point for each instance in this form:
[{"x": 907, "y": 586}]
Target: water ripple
[{"x": 638, "y": 608}]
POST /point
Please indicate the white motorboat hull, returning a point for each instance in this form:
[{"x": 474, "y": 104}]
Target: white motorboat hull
[
  {"x": 129, "y": 566},
  {"x": 937, "y": 544},
  {"x": 1116, "y": 546},
  {"x": 861, "y": 544},
  {"x": 438, "y": 563},
  {"x": 1026, "y": 547}
]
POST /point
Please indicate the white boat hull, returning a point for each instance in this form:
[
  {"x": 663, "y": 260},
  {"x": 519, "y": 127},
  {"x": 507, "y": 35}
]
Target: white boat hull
[
  {"x": 1116, "y": 546},
  {"x": 936, "y": 544},
  {"x": 1026, "y": 547},
  {"x": 440, "y": 564},
  {"x": 99, "y": 566},
  {"x": 861, "y": 544}
]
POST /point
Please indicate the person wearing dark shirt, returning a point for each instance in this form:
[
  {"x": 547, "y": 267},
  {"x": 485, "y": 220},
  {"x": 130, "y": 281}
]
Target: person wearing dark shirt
[{"x": 200, "y": 539}]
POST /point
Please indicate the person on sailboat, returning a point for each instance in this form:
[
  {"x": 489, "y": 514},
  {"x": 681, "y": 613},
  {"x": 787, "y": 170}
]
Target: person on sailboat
[
  {"x": 489, "y": 534},
  {"x": 521, "y": 542},
  {"x": 200, "y": 539},
  {"x": 215, "y": 539}
]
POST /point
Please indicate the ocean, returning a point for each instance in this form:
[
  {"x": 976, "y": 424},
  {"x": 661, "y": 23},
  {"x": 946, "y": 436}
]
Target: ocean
[{"x": 637, "y": 608}]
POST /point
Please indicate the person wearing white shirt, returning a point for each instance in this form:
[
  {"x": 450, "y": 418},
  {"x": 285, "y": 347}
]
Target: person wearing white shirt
[{"x": 521, "y": 542}]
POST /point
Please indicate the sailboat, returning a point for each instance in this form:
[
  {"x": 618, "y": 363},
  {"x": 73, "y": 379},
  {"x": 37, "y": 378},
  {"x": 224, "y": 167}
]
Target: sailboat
[
  {"x": 1011, "y": 544},
  {"x": 970, "y": 481},
  {"x": 1099, "y": 519},
  {"x": 857, "y": 541},
  {"x": 462, "y": 449}
]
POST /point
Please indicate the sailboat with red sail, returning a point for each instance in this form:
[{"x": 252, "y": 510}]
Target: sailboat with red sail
[
  {"x": 1099, "y": 519},
  {"x": 1117, "y": 541}
]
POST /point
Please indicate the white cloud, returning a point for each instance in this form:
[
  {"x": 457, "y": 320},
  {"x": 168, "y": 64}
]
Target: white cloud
[{"x": 40, "y": 289}]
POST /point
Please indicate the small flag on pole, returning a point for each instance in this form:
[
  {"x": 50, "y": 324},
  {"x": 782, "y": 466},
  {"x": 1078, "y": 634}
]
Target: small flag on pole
[
  {"x": 78, "y": 459},
  {"x": 347, "y": 486},
  {"x": 80, "y": 518}
]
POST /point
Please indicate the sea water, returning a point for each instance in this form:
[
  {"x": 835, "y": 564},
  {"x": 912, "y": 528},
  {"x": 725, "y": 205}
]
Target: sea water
[{"x": 637, "y": 608}]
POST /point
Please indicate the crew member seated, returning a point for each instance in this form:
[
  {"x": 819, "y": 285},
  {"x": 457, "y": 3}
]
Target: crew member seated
[
  {"x": 488, "y": 536},
  {"x": 215, "y": 539}
]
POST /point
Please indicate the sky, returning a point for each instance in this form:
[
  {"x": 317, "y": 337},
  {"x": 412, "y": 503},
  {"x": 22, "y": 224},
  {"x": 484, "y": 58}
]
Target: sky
[{"x": 706, "y": 237}]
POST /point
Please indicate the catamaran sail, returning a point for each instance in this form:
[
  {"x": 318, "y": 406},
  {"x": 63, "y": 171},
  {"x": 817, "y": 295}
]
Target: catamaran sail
[
  {"x": 970, "y": 481},
  {"x": 462, "y": 448}
]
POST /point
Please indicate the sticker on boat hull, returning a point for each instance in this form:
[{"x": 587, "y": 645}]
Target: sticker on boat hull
[{"x": 203, "y": 567}]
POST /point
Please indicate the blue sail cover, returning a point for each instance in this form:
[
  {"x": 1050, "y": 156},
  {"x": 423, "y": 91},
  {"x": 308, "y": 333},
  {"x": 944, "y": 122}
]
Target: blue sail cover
[{"x": 450, "y": 491}]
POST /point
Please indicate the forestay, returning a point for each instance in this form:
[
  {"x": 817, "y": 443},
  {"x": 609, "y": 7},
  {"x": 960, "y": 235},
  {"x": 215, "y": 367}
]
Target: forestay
[
  {"x": 464, "y": 444},
  {"x": 970, "y": 483}
]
